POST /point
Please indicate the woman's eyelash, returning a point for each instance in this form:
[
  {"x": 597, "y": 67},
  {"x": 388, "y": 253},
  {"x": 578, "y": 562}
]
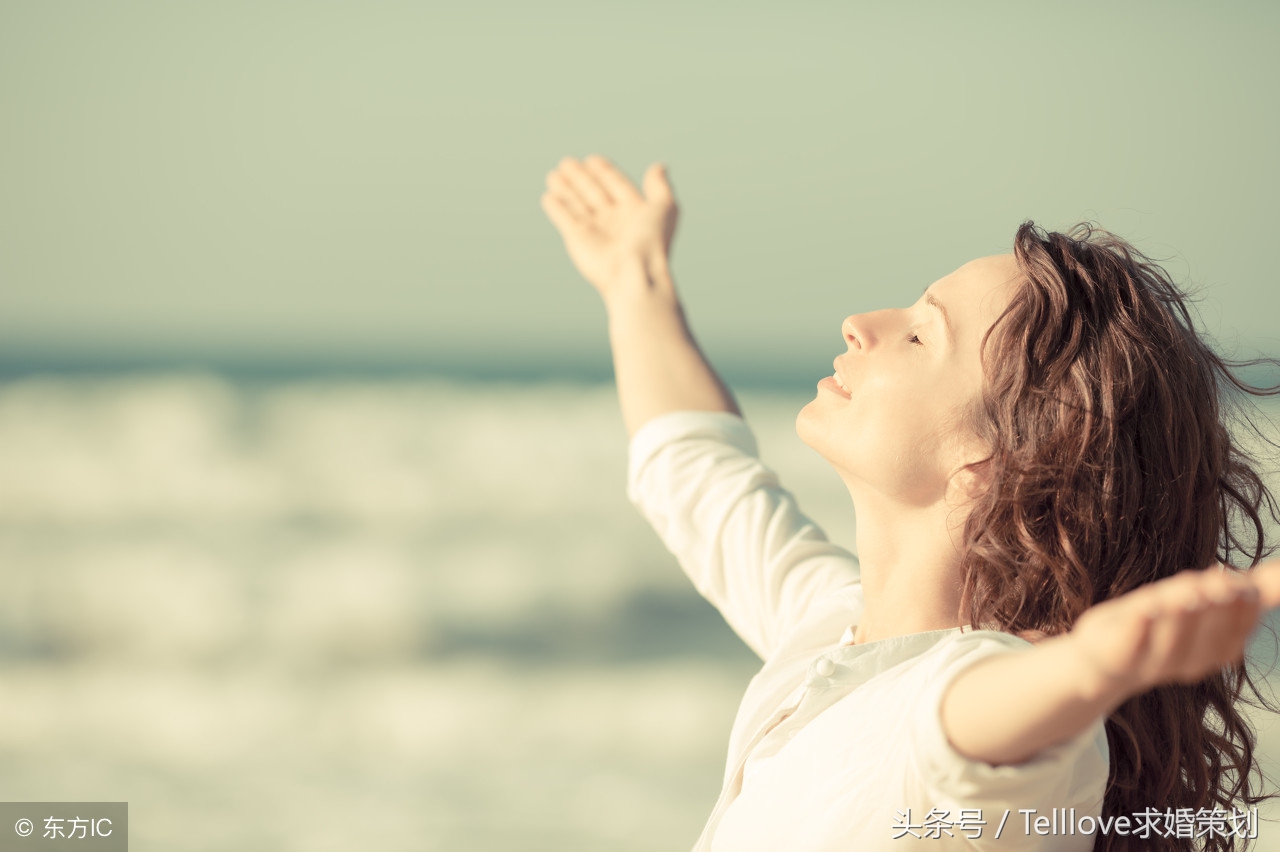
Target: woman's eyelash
[{"x": 916, "y": 340}]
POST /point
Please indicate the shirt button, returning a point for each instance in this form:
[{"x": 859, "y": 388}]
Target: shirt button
[{"x": 825, "y": 667}]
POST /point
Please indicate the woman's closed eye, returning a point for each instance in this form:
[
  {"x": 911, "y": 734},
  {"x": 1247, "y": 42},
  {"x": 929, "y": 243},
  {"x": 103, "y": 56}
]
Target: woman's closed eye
[{"x": 915, "y": 340}]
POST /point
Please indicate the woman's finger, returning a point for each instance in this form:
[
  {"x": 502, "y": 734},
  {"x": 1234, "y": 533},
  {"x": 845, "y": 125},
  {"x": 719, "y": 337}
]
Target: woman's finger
[
  {"x": 585, "y": 184},
  {"x": 614, "y": 181},
  {"x": 558, "y": 185},
  {"x": 560, "y": 214},
  {"x": 1266, "y": 579}
]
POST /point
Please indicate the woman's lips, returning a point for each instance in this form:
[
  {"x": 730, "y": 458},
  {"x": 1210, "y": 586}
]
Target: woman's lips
[
  {"x": 841, "y": 386},
  {"x": 830, "y": 383}
]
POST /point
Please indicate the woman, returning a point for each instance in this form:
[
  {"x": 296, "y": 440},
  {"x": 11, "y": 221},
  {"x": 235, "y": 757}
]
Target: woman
[{"x": 1036, "y": 455}]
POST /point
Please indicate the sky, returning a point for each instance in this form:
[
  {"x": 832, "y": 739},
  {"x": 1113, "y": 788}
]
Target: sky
[{"x": 333, "y": 184}]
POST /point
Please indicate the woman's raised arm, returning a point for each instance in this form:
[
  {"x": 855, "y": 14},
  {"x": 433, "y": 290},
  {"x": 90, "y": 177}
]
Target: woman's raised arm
[
  {"x": 1007, "y": 709},
  {"x": 620, "y": 240}
]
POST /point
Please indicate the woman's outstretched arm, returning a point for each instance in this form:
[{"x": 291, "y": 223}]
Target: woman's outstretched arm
[
  {"x": 620, "y": 240},
  {"x": 1007, "y": 709}
]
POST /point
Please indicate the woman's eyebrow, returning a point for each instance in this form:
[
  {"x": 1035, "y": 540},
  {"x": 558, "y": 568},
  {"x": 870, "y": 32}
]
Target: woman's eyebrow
[{"x": 932, "y": 300}]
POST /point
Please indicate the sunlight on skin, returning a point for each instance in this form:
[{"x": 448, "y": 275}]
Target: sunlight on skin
[
  {"x": 609, "y": 226},
  {"x": 1008, "y": 709},
  {"x": 1176, "y": 630}
]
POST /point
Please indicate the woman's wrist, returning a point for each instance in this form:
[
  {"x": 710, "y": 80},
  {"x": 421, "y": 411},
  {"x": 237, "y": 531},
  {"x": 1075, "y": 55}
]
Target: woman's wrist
[
  {"x": 1095, "y": 685},
  {"x": 636, "y": 280},
  {"x": 640, "y": 297}
]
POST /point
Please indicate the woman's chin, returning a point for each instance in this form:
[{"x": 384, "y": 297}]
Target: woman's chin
[
  {"x": 804, "y": 423},
  {"x": 813, "y": 428}
]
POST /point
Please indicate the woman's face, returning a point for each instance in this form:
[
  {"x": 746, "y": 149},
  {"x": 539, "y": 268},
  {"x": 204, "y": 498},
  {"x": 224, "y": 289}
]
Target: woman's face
[{"x": 911, "y": 374}]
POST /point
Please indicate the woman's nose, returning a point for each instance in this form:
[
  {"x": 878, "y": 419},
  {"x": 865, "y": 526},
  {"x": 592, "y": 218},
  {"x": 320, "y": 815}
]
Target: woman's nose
[
  {"x": 862, "y": 331},
  {"x": 854, "y": 331}
]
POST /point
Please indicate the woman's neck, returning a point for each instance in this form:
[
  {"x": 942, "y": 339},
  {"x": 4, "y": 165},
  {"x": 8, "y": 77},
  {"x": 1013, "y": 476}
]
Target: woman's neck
[{"x": 910, "y": 563}]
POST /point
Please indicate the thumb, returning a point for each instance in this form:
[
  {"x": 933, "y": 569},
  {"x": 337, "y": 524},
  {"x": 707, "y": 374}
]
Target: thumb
[{"x": 657, "y": 183}]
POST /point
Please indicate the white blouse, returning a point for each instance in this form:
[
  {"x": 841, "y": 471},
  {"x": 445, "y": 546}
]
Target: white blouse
[{"x": 837, "y": 746}]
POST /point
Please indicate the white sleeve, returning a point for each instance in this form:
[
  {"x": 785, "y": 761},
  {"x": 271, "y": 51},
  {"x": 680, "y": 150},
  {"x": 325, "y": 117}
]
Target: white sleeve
[
  {"x": 696, "y": 476},
  {"x": 1070, "y": 774}
]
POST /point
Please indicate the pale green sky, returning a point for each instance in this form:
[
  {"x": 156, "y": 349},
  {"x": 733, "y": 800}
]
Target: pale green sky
[{"x": 328, "y": 180}]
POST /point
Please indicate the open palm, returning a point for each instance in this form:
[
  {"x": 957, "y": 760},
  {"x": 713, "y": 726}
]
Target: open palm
[{"x": 610, "y": 229}]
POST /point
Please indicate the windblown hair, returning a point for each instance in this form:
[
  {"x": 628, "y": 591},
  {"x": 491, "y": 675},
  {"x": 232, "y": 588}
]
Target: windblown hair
[{"x": 1112, "y": 465}]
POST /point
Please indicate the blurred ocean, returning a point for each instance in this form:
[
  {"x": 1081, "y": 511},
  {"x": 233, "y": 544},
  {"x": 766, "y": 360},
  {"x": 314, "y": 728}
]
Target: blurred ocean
[{"x": 403, "y": 614}]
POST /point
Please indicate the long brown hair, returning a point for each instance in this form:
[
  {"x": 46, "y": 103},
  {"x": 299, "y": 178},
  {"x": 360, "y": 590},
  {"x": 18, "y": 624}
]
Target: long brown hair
[{"x": 1112, "y": 465}]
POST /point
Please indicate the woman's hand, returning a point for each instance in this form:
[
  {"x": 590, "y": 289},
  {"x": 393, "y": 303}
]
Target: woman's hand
[
  {"x": 1011, "y": 707},
  {"x": 1177, "y": 630},
  {"x": 609, "y": 228}
]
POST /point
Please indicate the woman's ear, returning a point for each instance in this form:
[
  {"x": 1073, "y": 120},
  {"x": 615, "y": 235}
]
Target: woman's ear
[{"x": 970, "y": 481}]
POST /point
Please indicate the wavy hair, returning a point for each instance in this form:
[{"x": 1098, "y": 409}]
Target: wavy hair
[{"x": 1112, "y": 465}]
